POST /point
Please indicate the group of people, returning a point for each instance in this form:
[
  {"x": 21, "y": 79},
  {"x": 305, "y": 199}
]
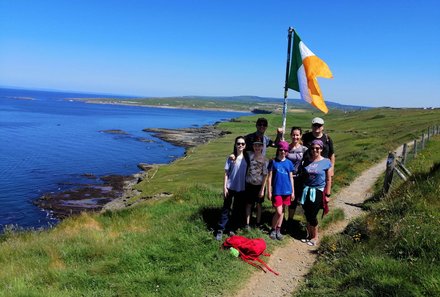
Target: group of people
[{"x": 300, "y": 173}]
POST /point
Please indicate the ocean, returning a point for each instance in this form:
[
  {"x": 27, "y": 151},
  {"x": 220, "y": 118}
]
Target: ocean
[{"x": 49, "y": 142}]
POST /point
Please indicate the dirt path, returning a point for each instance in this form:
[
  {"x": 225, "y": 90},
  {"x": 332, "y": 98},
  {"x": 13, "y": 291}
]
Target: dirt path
[{"x": 294, "y": 260}]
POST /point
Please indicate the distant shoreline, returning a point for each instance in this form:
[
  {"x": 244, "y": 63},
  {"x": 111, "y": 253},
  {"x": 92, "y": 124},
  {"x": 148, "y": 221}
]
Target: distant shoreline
[{"x": 132, "y": 103}]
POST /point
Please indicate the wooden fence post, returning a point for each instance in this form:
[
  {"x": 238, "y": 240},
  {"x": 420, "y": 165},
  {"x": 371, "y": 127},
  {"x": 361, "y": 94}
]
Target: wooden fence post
[
  {"x": 389, "y": 172},
  {"x": 415, "y": 148},
  {"x": 423, "y": 141},
  {"x": 429, "y": 134},
  {"x": 404, "y": 153}
]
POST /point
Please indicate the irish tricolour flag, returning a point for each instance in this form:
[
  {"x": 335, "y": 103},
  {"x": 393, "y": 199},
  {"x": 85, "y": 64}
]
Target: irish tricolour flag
[{"x": 305, "y": 67}]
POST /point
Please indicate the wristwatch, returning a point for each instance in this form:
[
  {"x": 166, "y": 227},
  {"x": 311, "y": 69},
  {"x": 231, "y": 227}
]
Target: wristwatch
[{"x": 328, "y": 195}]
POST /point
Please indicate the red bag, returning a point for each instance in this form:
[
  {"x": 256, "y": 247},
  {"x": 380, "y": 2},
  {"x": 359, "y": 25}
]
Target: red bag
[{"x": 250, "y": 250}]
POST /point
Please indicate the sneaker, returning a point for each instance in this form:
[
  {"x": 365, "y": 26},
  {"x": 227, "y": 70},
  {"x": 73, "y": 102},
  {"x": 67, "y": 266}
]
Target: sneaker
[
  {"x": 231, "y": 233},
  {"x": 247, "y": 228},
  {"x": 312, "y": 242},
  {"x": 219, "y": 235},
  {"x": 273, "y": 234},
  {"x": 279, "y": 236}
]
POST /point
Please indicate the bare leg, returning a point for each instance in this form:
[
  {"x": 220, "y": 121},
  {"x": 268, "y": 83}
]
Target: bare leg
[
  {"x": 248, "y": 213},
  {"x": 258, "y": 213},
  {"x": 278, "y": 217},
  {"x": 314, "y": 236},
  {"x": 309, "y": 231}
]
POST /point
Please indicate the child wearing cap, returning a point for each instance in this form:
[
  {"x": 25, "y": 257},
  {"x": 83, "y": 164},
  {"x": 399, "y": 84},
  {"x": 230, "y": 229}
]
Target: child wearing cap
[
  {"x": 255, "y": 181},
  {"x": 280, "y": 187}
]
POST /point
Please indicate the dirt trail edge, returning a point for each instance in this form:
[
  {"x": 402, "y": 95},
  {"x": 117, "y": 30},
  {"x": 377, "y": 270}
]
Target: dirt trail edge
[{"x": 294, "y": 260}]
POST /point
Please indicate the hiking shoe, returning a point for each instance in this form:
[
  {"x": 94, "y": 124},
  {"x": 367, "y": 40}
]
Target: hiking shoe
[
  {"x": 273, "y": 235},
  {"x": 231, "y": 233},
  {"x": 219, "y": 235},
  {"x": 279, "y": 236},
  {"x": 247, "y": 228}
]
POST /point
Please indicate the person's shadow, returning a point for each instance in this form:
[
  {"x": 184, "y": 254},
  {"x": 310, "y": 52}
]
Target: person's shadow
[{"x": 294, "y": 228}]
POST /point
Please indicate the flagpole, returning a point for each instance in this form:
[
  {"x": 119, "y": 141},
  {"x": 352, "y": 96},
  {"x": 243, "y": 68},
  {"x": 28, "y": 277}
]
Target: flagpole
[{"x": 289, "y": 47}]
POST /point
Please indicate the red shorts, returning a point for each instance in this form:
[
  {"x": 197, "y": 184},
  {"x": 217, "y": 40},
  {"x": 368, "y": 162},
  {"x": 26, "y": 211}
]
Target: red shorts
[{"x": 281, "y": 200}]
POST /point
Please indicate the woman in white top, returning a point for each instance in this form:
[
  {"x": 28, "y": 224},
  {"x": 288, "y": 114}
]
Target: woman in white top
[{"x": 234, "y": 189}]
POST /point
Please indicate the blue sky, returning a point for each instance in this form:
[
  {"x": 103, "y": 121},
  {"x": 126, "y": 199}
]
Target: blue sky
[{"x": 381, "y": 53}]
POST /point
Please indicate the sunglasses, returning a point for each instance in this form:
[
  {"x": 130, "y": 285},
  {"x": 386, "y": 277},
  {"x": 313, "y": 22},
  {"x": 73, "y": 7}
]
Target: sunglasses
[
  {"x": 262, "y": 125},
  {"x": 316, "y": 148},
  {"x": 282, "y": 150},
  {"x": 241, "y": 143},
  {"x": 317, "y": 125}
]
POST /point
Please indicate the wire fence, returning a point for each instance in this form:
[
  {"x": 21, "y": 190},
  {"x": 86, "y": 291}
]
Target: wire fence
[{"x": 396, "y": 165}]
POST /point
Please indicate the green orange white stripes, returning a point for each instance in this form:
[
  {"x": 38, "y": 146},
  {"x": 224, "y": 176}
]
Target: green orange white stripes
[{"x": 305, "y": 67}]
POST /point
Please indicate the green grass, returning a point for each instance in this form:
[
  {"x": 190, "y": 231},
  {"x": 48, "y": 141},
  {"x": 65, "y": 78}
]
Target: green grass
[
  {"x": 392, "y": 251},
  {"x": 156, "y": 250},
  {"x": 164, "y": 247},
  {"x": 361, "y": 139}
]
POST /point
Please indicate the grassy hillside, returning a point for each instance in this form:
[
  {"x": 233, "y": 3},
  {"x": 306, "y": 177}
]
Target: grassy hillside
[
  {"x": 164, "y": 247},
  {"x": 392, "y": 251},
  {"x": 361, "y": 138}
]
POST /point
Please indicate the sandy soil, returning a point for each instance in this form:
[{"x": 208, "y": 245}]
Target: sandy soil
[{"x": 294, "y": 260}]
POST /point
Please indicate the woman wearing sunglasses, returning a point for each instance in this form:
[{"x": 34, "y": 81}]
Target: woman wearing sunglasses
[
  {"x": 234, "y": 189},
  {"x": 317, "y": 189}
]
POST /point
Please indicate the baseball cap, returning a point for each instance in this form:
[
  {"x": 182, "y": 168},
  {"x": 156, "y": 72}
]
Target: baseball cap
[
  {"x": 258, "y": 140},
  {"x": 317, "y": 121}
]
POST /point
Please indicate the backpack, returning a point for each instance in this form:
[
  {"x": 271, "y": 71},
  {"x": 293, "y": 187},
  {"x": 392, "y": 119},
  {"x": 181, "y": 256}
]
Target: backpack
[{"x": 250, "y": 250}]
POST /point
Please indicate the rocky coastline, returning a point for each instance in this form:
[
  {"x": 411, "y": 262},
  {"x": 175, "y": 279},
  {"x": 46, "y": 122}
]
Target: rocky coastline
[
  {"x": 115, "y": 191},
  {"x": 187, "y": 137}
]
